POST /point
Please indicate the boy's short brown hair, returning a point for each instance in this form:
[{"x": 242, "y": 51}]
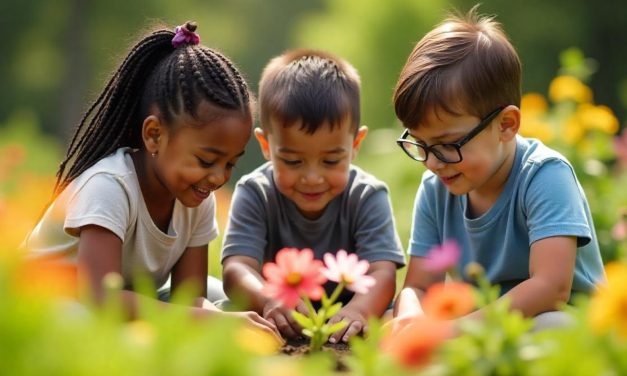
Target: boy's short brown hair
[
  {"x": 465, "y": 65},
  {"x": 310, "y": 86}
]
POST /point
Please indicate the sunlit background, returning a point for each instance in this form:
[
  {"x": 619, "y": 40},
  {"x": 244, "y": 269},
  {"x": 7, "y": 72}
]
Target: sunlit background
[{"x": 55, "y": 57}]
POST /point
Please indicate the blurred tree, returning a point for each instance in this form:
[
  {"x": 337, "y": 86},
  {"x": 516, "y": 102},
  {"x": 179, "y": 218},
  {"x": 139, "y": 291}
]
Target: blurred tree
[{"x": 376, "y": 39}]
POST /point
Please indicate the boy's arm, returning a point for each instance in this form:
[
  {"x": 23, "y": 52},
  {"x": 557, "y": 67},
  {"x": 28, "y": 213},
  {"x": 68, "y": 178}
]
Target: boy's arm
[
  {"x": 362, "y": 306},
  {"x": 551, "y": 271},
  {"x": 417, "y": 280},
  {"x": 243, "y": 282}
]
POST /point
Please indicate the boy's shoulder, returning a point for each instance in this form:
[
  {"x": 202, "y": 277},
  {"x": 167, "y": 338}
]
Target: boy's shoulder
[
  {"x": 358, "y": 179},
  {"x": 362, "y": 180},
  {"x": 533, "y": 151}
]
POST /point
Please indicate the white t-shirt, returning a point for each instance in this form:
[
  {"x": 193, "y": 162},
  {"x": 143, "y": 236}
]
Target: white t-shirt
[{"x": 108, "y": 195}]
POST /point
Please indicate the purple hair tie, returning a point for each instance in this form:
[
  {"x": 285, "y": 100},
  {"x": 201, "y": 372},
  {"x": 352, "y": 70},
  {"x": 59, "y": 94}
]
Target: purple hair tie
[{"x": 184, "y": 36}]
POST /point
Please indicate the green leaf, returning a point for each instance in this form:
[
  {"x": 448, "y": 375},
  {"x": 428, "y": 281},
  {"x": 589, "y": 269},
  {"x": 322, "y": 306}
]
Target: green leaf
[
  {"x": 335, "y": 308},
  {"x": 335, "y": 327},
  {"x": 302, "y": 320}
]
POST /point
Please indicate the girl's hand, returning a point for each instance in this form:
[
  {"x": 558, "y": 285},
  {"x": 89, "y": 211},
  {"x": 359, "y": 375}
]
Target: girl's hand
[{"x": 253, "y": 319}]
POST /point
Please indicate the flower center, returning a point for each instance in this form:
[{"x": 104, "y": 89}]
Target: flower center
[
  {"x": 347, "y": 278},
  {"x": 293, "y": 279}
]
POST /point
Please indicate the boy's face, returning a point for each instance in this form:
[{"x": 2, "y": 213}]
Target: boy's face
[
  {"x": 311, "y": 169},
  {"x": 486, "y": 158}
]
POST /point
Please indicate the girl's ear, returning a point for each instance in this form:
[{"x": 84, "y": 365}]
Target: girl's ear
[
  {"x": 263, "y": 143},
  {"x": 362, "y": 132},
  {"x": 509, "y": 123},
  {"x": 151, "y": 133}
]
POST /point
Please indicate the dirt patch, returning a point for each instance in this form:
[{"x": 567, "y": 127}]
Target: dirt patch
[{"x": 300, "y": 347}]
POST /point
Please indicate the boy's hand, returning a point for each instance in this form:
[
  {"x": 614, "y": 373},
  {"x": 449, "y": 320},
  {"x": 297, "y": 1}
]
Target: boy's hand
[
  {"x": 282, "y": 318},
  {"x": 356, "y": 323}
]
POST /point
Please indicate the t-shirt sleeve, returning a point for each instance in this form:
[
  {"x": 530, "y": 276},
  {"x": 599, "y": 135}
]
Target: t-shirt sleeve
[
  {"x": 556, "y": 205},
  {"x": 101, "y": 201},
  {"x": 376, "y": 238},
  {"x": 246, "y": 230},
  {"x": 206, "y": 228},
  {"x": 424, "y": 229}
]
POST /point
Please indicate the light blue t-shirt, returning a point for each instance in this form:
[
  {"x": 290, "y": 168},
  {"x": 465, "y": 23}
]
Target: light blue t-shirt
[{"x": 542, "y": 198}]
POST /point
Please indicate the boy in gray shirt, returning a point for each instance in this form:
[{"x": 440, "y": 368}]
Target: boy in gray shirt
[{"x": 309, "y": 195}]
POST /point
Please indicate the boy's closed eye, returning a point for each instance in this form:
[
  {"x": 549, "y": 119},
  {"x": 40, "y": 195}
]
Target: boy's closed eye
[
  {"x": 331, "y": 162},
  {"x": 290, "y": 162}
]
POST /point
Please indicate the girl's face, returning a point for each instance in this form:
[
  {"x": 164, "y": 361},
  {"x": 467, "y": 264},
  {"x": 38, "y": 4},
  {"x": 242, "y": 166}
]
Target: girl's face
[{"x": 196, "y": 157}]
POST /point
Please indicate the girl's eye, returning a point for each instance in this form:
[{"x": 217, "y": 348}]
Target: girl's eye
[
  {"x": 204, "y": 163},
  {"x": 331, "y": 162}
]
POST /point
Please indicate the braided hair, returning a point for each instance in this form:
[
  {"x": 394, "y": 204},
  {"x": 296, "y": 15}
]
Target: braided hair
[{"x": 154, "y": 73}]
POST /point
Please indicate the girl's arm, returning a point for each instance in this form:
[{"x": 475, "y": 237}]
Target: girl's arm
[
  {"x": 191, "y": 271},
  {"x": 100, "y": 253}
]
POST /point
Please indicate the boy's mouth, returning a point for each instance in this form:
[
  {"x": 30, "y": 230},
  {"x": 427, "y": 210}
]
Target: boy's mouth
[
  {"x": 448, "y": 180},
  {"x": 312, "y": 196}
]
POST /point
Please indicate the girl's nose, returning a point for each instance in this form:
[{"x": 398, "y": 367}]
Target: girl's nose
[{"x": 218, "y": 177}]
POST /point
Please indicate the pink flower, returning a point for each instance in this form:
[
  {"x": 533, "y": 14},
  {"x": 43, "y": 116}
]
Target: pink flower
[
  {"x": 294, "y": 274},
  {"x": 442, "y": 258},
  {"x": 347, "y": 268},
  {"x": 620, "y": 147}
]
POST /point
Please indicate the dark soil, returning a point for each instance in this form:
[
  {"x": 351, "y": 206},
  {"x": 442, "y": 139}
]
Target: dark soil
[{"x": 300, "y": 347}]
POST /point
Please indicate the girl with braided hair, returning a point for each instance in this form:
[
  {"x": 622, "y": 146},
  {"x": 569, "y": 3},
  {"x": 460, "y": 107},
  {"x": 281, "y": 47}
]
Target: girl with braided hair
[{"x": 134, "y": 192}]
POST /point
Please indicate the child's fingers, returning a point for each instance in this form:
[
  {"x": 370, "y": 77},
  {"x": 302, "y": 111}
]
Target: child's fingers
[
  {"x": 337, "y": 336},
  {"x": 284, "y": 326},
  {"x": 353, "y": 329}
]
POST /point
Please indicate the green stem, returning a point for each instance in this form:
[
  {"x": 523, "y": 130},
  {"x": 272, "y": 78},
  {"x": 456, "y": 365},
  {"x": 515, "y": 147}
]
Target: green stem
[{"x": 335, "y": 294}]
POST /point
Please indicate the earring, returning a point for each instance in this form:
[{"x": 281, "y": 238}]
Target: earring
[{"x": 154, "y": 155}]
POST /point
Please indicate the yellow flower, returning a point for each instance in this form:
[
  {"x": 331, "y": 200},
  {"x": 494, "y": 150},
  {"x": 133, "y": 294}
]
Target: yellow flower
[
  {"x": 564, "y": 88},
  {"x": 608, "y": 306},
  {"x": 533, "y": 127},
  {"x": 597, "y": 118},
  {"x": 140, "y": 332},
  {"x": 533, "y": 104},
  {"x": 256, "y": 341},
  {"x": 573, "y": 131}
]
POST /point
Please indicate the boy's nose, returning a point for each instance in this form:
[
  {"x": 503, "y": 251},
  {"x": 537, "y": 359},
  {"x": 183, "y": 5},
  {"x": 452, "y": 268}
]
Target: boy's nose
[
  {"x": 311, "y": 176},
  {"x": 433, "y": 163}
]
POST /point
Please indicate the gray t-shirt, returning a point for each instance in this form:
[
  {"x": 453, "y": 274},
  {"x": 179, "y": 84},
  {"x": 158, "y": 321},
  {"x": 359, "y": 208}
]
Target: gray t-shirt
[{"x": 262, "y": 221}]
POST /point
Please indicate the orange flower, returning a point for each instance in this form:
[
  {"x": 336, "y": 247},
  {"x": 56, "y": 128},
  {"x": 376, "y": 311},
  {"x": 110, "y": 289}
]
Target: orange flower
[
  {"x": 47, "y": 278},
  {"x": 414, "y": 344},
  {"x": 447, "y": 301}
]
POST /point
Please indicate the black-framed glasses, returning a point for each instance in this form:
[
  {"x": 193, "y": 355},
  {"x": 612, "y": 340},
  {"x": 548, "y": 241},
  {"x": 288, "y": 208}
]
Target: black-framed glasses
[{"x": 447, "y": 153}]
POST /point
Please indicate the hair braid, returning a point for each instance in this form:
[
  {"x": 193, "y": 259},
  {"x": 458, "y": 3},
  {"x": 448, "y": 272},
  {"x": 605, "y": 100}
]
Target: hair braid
[{"x": 175, "y": 80}]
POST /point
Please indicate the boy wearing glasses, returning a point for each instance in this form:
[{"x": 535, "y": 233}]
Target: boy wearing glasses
[
  {"x": 512, "y": 204},
  {"x": 309, "y": 195}
]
